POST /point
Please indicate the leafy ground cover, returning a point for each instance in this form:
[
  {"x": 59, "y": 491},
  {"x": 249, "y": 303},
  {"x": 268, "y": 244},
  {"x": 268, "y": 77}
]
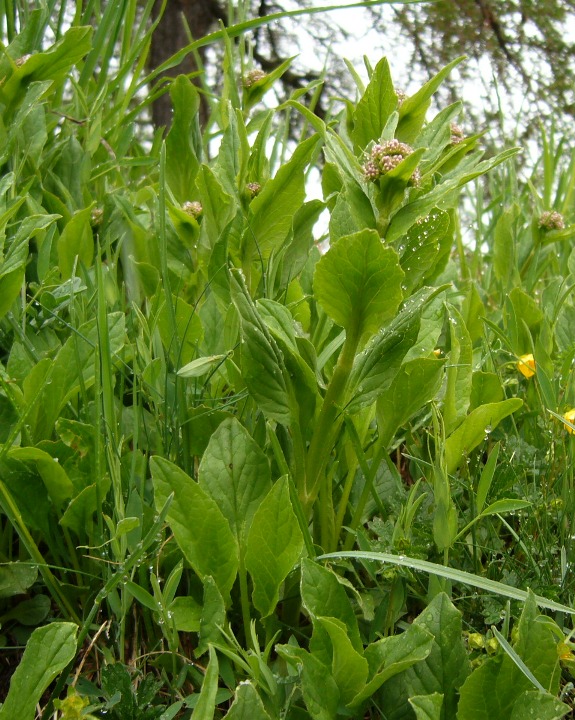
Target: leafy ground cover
[{"x": 241, "y": 477}]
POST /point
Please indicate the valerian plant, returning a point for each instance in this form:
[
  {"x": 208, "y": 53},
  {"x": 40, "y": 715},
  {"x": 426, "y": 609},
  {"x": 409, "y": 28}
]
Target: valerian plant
[{"x": 247, "y": 471}]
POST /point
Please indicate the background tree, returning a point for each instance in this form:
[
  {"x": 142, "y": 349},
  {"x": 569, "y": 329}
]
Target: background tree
[{"x": 517, "y": 50}]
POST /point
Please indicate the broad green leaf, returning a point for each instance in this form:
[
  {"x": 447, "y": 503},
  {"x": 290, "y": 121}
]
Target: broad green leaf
[
  {"x": 262, "y": 364},
  {"x": 423, "y": 204},
  {"x": 218, "y": 207},
  {"x": 272, "y": 212},
  {"x": 76, "y": 244},
  {"x": 274, "y": 545},
  {"x": 459, "y": 373},
  {"x": 348, "y": 667},
  {"x": 352, "y": 212},
  {"x": 541, "y": 706},
  {"x": 485, "y": 388},
  {"x": 79, "y": 515},
  {"x": 323, "y": 595},
  {"x": 416, "y": 383},
  {"x": 213, "y": 616},
  {"x": 504, "y": 251},
  {"x": 206, "y": 705},
  {"x": 447, "y": 666},
  {"x": 182, "y": 162},
  {"x": 392, "y": 656},
  {"x": 235, "y": 472},
  {"x": 472, "y": 430},
  {"x": 48, "y": 651},
  {"x": 427, "y": 707},
  {"x": 375, "y": 367},
  {"x": 422, "y": 247},
  {"x": 30, "y": 612},
  {"x": 203, "y": 421},
  {"x": 200, "y": 528},
  {"x": 16, "y": 578},
  {"x": 247, "y": 704},
  {"x": 413, "y": 110},
  {"x": 493, "y": 689},
  {"x": 52, "y": 64},
  {"x": 358, "y": 282},
  {"x": 374, "y": 108},
  {"x": 52, "y": 473},
  {"x": 302, "y": 379},
  {"x": 10, "y": 287},
  {"x": 320, "y": 691},
  {"x": 186, "y": 613}
]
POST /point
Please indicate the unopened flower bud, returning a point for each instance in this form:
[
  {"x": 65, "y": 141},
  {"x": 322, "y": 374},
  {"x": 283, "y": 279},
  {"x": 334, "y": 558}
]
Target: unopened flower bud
[
  {"x": 253, "y": 188},
  {"x": 96, "y": 217},
  {"x": 401, "y": 97},
  {"x": 194, "y": 209},
  {"x": 475, "y": 641},
  {"x": 457, "y": 134},
  {"x": 21, "y": 60},
  {"x": 551, "y": 220},
  {"x": 252, "y": 77}
]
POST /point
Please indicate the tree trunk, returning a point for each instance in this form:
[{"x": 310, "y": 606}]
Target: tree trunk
[{"x": 170, "y": 36}]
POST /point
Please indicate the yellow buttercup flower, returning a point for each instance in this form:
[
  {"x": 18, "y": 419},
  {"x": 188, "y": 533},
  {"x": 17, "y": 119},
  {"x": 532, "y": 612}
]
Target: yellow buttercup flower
[
  {"x": 570, "y": 417},
  {"x": 526, "y": 365}
]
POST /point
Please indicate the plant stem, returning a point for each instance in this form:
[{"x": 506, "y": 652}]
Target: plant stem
[
  {"x": 328, "y": 421},
  {"x": 245, "y": 601}
]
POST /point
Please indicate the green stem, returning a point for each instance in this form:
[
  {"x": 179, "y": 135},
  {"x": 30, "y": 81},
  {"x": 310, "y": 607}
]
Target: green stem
[
  {"x": 245, "y": 601},
  {"x": 328, "y": 421}
]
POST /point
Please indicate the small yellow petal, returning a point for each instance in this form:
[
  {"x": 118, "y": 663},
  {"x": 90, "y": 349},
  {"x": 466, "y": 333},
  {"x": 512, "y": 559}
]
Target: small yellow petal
[
  {"x": 570, "y": 417},
  {"x": 526, "y": 365}
]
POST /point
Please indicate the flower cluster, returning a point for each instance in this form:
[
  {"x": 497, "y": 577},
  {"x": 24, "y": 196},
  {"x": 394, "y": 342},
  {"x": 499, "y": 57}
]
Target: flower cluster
[
  {"x": 253, "y": 189},
  {"x": 96, "y": 217},
  {"x": 551, "y": 220},
  {"x": 194, "y": 209},
  {"x": 526, "y": 365},
  {"x": 386, "y": 156},
  {"x": 252, "y": 77},
  {"x": 457, "y": 134}
]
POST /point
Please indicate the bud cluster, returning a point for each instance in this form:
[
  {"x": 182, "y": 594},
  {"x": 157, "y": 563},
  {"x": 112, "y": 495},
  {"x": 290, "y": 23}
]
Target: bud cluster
[
  {"x": 253, "y": 189},
  {"x": 194, "y": 208},
  {"x": 252, "y": 77},
  {"x": 457, "y": 134},
  {"x": 551, "y": 220},
  {"x": 386, "y": 156}
]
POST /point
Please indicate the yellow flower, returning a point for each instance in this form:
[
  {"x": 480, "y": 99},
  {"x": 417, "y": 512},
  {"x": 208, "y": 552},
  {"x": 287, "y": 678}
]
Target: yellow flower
[
  {"x": 570, "y": 417},
  {"x": 526, "y": 365},
  {"x": 565, "y": 652}
]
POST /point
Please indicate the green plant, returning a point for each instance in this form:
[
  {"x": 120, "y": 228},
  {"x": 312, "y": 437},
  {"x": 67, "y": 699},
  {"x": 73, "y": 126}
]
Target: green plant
[{"x": 202, "y": 409}]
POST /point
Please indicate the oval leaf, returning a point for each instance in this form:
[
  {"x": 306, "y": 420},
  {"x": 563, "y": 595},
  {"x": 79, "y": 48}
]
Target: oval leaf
[{"x": 358, "y": 282}]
